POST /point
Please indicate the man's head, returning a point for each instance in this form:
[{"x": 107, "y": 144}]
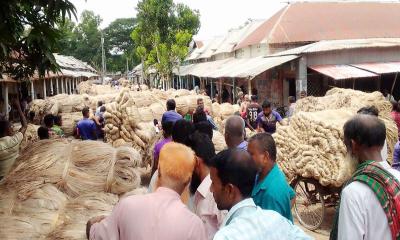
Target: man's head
[
  {"x": 176, "y": 165},
  {"x": 266, "y": 106},
  {"x": 254, "y": 98},
  {"x": 102, "y": 109},
  {"x": 85, "y": 112},
  {"x": 233, "y": 174},
  {"x": 200, "y": 102},
  {"x": 303, "y": 94},
  {"x": 395, "y": 106},
  {"x": 181, "y": 131},
  {"x": 370, "y": 110},
  {"x": 246, "y": 98},
  {"x": 291, "y": 99},
  {"x": 234, "y": 131},
  {"x": 199, "y": 115},
  {"x": 204, "y": 150},
  {"x": 58, "y": 120},
  {"x": 167, "y": 128},
  {"x": 364, "y": 137},
  {"x": 171, "y": 105},
  {"x": 5, "y": 128},
  {"x": 48, "y": 120},
  {"x": 262, "y": 149},
  {"x": 204, "y": 127},
  {"x": 43, "y": 133},
  {"x": 100, "y": 103}
]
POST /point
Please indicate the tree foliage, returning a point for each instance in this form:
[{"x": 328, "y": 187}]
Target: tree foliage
[
  {"x": 28, "y": 35},
  {"x": 162, "y": 34}
]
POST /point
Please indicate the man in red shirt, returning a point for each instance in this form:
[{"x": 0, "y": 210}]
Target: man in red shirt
[
  {"x": 396, "y": 115},
  {"x": 253, "y": 109}
]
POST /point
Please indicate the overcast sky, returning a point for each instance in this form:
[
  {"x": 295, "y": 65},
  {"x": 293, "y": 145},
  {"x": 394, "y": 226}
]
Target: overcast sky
[{"x": 217, "y": 16}]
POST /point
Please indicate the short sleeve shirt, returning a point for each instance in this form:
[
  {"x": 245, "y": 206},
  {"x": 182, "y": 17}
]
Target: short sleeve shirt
[
  {"x": 253, "y": 109},
  {"x": 9, "y": 151},
  {"x": 86, "y": 129},
  {"x": 171, "y": 116},
  {"x": 274, "y": 193},
  {"x": 268, "y": 123}
]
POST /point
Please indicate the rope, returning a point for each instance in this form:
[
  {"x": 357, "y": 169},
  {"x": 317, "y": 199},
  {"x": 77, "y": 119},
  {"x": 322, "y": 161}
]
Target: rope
[{"x": 110, "y": 175}]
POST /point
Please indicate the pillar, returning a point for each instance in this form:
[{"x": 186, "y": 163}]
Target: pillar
[
  {"x": 51, "y": 87},
  {"x": 62, "y": 84},
  {"x": 233, "y": 91},
  {"x": 249, "y": 86},
  {"x": 194, "y": 82},
  {"x": 44, "y": 88},
  {"x": 57, "y": 89},
  {"x": 5, "y": 96},
  {"x": 32, "y": 90},
  {"x": 301, "y": 76},
  {"x": 70, "y": 86}
]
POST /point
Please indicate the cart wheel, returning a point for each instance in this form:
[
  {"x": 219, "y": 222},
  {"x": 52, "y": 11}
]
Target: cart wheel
[{"x": 309, "y": 206}]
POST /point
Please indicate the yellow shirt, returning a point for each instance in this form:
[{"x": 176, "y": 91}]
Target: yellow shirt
[{"x": 9, "y": 151}]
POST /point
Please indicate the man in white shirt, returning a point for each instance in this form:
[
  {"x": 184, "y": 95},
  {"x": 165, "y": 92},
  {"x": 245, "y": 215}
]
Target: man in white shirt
[
  {"x": 361, "y": 211},
  {"x": 202, "y": 202}
]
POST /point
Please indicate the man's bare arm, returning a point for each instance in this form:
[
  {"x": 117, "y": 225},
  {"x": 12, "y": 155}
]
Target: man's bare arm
[{"x": 24, "y": 123}]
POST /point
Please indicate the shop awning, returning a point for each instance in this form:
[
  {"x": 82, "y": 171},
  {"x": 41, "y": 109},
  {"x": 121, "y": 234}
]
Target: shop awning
[
  {"x": 380, "y": 68},
  {"x": 341, "y": 72}
]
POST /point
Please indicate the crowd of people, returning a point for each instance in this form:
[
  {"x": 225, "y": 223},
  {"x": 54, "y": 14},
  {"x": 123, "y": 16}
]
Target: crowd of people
[{"x": 240, "y": 192}]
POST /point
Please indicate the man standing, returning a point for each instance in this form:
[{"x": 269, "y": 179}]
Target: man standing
[
  {"x": 267, "y": 119},
  {"x": 9, "y": 142},
  {"x": 369, "y": 204},
  {"x": 167, "y": 137},
  {"x": 233, "y": 173},
  {"x": 272, "y": 191},
  {"x": 171, "y": 115},
  {"x": 292, "y": 106},
  {"x": 86, "y": 128},
  {"x": 253, "y": 109},
  {"x": 235, "y": 132},
  {"x": 158, "y": 215},
  {"x": 203, "y": 203}
]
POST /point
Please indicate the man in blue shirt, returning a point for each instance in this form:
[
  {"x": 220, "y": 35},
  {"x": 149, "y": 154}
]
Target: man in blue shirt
[
  {"x": 267, "y": 119},
  {"x": 235, "y": 132},
  {"x": 86, "y": 128},
  {"x": 232, "y": 173},
  {"x": 171, "y": 115},
  {"x": 271, "y": 190}
]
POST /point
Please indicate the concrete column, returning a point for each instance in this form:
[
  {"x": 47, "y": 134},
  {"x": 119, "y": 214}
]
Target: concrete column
[
  {"x": 57, "y": 88},
  {"x": 70, "y": 86},
  {"x": 194, "y": 82},
  {"x": 301, "y": 76},
  {"x": 62, "y": 85},
  {"x": 5, "y": 96},
  {"x": 32, "y": 90},
  {"x": 44, "y": 89},
  {"x": 249, "y": 86},
  {"x": 51, "y": 86},
  {"x": 233, "y": 91}
]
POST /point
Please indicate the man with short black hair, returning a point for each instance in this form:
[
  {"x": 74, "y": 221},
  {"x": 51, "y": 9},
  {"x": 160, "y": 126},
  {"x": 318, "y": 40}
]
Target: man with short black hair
[
  {"x": 272, "y": 191},
  {"x": 48, "y": 121},
  {"x": 267, "y": 119},
  {"x": 369, "y": 205},
  {"x": 86, "y": 128},
  {"x": 233, "y": 174},
  {"x": 171, "y": 115},
  {"x": 235, "y": 132},
  {"x": 10, "y": 142},
  {"x": 253, "y": 109},
  {"x": 203, "y": 203}
]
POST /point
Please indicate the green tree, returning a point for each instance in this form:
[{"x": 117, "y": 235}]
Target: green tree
[
  {"x": 162, "y": 34},
  {"x": 28, "y": 35}
]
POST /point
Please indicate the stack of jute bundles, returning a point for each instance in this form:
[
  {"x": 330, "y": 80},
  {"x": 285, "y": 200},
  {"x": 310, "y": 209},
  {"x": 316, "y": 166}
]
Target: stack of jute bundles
[
  {"x": 129, "y": 122},
  {"x": 56, "y": 186},
  {"x": 188, "y": 103},
  {"x": 87, "y": 87},
  {"x": 312, "y": 144},
  {"x": 221, "y": 112}
]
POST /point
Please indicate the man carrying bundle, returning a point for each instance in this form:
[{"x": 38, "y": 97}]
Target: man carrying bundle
[
  {"x": 158, "y": 215},
  {"x": 10, "y": 142},
  {"x": 370, "y": 200}
]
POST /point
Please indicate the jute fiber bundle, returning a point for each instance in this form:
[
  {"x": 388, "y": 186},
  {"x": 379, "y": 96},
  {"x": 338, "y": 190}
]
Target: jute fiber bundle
[
  {"x": 216, "y": 110},
  {"x": 30, "y": 136},
  {"x": 179, "y": 93},
  {"x": 69, "y": 122},
  {"x": 85, "y": 87},
  {"x": 32, "y": 218},
  {"x": 72, "y": 223},
  {"x": 312, "y": 146},
  {"x": 42, "y": 107},
  {"x": 188, "y": 103},
  {"x": 76, "y": 168},
  {"x": 227, "y": 110},
  {"x": 218, "y": 141}
]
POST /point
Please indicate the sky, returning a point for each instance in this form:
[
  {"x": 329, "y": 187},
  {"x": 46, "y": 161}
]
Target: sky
[{"x": 216, "y": 16}]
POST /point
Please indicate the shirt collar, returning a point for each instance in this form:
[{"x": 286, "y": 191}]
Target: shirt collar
[
  {"x": 242, "y": 145},
  {"x": 264, "y": 183},
  {"x": 248, "y": 202},
  {"x": 204, "y": 187},
  {"x": 167, "y": 191}
]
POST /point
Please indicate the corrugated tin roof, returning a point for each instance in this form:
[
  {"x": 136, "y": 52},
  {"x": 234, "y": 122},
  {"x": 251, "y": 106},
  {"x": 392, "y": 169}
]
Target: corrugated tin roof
[
  {"x": 334, "y": 45},
  {"x": 341, "y": 72},
  {"x": 234, "y": 68},
  {"x": 380, "y": 68},
  {"x": 210, "y": 48},
  {"x": 316, "y": 21}
]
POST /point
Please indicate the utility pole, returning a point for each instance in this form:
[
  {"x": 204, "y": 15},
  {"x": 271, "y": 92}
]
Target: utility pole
[{"x": 103, "y": 59}]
